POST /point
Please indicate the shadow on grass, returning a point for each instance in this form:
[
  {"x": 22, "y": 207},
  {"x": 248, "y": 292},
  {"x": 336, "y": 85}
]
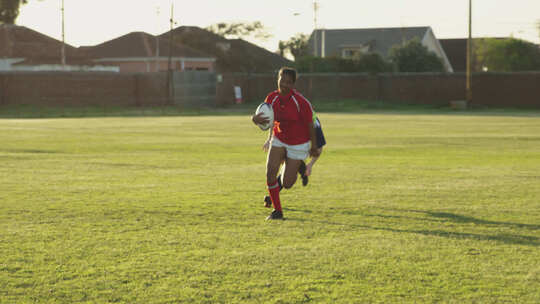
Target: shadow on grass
[
  {"x": 443, "y": 216},
  {"x": 457, "y": 218},
  {"x": 502, "y": 238},
  {"x": 30, "y": 151},
  {"x": 342, "y": 106},
  {"x": 296, "y": 210}
]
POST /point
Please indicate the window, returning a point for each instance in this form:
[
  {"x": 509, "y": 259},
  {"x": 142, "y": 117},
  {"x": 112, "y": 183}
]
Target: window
[{"x": 354, "y": 51}]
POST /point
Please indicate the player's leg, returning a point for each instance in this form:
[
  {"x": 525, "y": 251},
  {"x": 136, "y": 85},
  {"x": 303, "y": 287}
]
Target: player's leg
[
  {"x": 302, "y": 172},
  {"x": 273, "y": 163},
  {"x": 291, "y": 172},
  {"x": 295, "y": 157},
  {"x": 267, "y": 199}
]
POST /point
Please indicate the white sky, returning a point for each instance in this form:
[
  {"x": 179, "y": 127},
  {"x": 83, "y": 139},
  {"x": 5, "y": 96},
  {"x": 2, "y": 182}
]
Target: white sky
[{"x": 95, "y": 21}]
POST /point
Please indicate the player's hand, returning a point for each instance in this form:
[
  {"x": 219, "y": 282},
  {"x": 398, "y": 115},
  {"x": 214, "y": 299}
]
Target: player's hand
[
  {"x": 308, "y": 170},
  {"x": 259, "y": 119},
  {"x": 314, "y": 152},
  {"x": 266, "y": 146}
]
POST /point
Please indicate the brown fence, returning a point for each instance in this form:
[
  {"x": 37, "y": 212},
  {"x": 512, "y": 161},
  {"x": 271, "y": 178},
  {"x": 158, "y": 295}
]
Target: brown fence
[
  {"x": 489, "y": 89},
  {"x": 190, "y": 88},
  {"x": 202, "y": 88},
  {"x": 79, "y": 88}
]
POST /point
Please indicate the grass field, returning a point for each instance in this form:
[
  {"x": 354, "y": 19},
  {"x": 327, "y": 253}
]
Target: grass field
[{"x": 434, "y": 207}]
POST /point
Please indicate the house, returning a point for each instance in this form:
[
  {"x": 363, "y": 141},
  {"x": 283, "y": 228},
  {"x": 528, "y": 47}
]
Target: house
[
  {"x": 23, "y": 49},
  {"x": 348, "y": 43},
  {"x": 232, "y": 55},
  {"x": 456, "y": 51},
  {"x": 142, "y": 52}
]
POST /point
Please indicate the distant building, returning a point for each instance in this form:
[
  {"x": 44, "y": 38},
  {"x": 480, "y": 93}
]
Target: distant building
[
  {"x": 232, "y": 55},
  {"x": 456, "y": 50},
  {"x": 23, "y": 49},
  {"x": 142, "y": 52},
  {"x": 348, "y": 43}
]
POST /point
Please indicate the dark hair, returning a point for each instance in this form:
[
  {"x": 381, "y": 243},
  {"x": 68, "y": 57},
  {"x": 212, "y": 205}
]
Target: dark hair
[{"x": 288, "y": 71}]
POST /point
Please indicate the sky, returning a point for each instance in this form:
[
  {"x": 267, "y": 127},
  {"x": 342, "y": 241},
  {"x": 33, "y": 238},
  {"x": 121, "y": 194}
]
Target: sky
[{"x": 93, "y": 22}]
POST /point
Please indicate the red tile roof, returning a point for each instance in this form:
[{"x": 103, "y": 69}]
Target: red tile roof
[
  {"x": 140, "y": 44},
  {"x": 234, "y": 55},
  {"x": 22, "y": 42}
]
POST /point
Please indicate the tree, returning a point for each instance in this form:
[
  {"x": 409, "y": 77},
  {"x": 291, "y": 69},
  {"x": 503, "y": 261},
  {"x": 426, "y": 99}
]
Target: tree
[
  {"x": 296, "y": 46},
  {"x": 414, "y": 57},
  {"x": 9, "y": 10},
  {"x": 281, "y": 48},
  {"x": 506, "y": 55},
  {"x": 240, "y": 30}
]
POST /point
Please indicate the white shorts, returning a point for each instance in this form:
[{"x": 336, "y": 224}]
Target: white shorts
[{"x": 299, "y": 152}]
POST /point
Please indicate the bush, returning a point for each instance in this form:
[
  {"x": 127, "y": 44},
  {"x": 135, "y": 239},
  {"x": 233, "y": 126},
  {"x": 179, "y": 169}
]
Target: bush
[{"x": 414, "y": 57}]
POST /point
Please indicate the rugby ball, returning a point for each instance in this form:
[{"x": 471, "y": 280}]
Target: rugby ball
[{"x": 267, "y": 111}]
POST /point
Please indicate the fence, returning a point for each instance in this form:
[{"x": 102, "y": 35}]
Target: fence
[
  {"x": 200, "y": 88},
  {"x": 489, "y": 89},
  {"x": 190, "y": 88}
]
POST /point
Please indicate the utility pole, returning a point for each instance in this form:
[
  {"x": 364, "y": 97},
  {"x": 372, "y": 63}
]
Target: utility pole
[
  {"x": 171, "y": 37},
  {"x": 170, "y": 87},
  {"x": 469, "y": 58},
  {"x": 157, "y": 43},
  {"x": 63, "y": 50},
  {"x": 315, "y": 44}
]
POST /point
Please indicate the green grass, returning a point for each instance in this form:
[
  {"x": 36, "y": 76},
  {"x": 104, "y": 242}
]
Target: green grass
[{"x": 435, "y": 207}]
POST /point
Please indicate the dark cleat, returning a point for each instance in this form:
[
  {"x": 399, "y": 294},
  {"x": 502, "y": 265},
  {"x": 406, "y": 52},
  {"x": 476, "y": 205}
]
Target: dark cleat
[
  {"x": 275, "y": 215},
  {"x": 304, "y": 180},
  {"x": 267, "y": 202}
]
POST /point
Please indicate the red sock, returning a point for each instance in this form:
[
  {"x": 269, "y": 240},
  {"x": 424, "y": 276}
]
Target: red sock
[{"x": 274, "y": 195}]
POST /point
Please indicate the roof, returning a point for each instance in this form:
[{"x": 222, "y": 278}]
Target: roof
[
  {"x": 56, "y": 60},
  {"x": 22, "y": 42},
  {"x": 379, "y": 40},
  {"x": 456, "y": 51},
  {"x": 253, "y": 58},
  {"x": 141, "y": 44},
  {"x": 233, "y": 55}
]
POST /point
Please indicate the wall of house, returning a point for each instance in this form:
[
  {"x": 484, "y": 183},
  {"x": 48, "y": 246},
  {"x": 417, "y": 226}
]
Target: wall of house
[
  {"x": 489, "y": 89},
  {"x": 182, "y": 65},
  {"x": 161, "y": 65},
  {"x": 199, "y": 65},
  {"x": 6, "y": 64},
  {"x": 65, "y": 68},
  {"x": 433, "y": 44}
]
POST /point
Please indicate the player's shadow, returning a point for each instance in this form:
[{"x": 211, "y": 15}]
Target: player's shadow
[
  {"x": 514, "y": 239},
  {"x": 462, "y": 219},
  {"x": 297, "y": 210}
]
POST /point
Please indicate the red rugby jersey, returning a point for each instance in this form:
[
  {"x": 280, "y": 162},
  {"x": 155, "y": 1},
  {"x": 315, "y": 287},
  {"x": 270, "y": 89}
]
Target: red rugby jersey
[{"x": 292, "y": 115}]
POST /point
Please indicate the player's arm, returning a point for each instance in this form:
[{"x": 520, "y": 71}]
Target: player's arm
[
  {"x": 266, "y": 145},
  {"x": 314, "y": 151},
  {"x": 307, "y": 116}
]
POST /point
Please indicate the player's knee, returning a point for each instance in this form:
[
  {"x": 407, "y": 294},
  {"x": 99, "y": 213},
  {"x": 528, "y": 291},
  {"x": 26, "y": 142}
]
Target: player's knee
[{"x": 287, "y": 184}]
